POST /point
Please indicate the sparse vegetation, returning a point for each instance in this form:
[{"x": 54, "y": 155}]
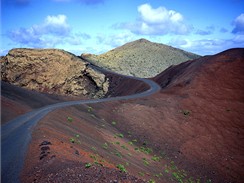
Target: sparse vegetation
[
  {"x": 69, "y": 119},
  {"x": 185, "y": 112},
  {"x": 129, "y": 154},
  {"x": 113, "y": 122},
  {"x": 152, "y": 57},
  {"x": 105, "y": 146},
  {"x": 151, "y": 181},
  {"x": 137, "y": 149},
  {"x": 93, "y": 157},
  {"x": 180, "y": 176},
  {"x": 124, "y": 147},
  {"x": 156, "y": 158},
  {"x": 121, "y": 168},
  {"x": 118, "y": 154},
  {"x": 89, "y": 109},
  {"x": 146, "y": 150},
  {"x": 119, "y": 135},
  {"x": 145, "y": 162},
  {"x": 141, "y": 174},
  {"x": 88, "y": 165},
  {"x": 72, "y": 140}
]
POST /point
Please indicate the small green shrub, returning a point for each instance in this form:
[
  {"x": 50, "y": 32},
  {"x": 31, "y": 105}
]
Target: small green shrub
[
  {"x": 155, "y": 158},
  {"x": 129, "y": 154},
  {"x": 141, "y": 174},
  {"x": 121, "y": 168},
  {"x": 145, "y": 162},
  {"x": 166, "y": 171},
  {"x": 119, "y": 135},
  {"x": 124, "y": 147},
  {"x": 88, "y": 165},
  {"x": 69, "y": 119},
  {"x": 151, "y": 181},
  {"x": 118, "y": 154},
  {"x": 105, "y": 146},
  {"x": 89, "y": 109},
  {"x": 72, "y": 140},
  {"x": 137, "y": 149},
  {"x": 146, "y": 150}
]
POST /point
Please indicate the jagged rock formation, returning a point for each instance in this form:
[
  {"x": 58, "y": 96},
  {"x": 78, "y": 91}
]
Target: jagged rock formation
[
  {"x": 52, "y": 71},
  {"x": 140, "y": 58}
]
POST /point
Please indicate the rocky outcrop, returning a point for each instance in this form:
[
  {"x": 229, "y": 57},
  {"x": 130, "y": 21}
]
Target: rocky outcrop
[
  {"x": 52, "y": 71},
  {"x": 140, "y": 58}
]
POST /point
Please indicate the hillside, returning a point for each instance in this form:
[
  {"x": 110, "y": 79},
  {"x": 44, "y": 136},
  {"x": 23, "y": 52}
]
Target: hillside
[
  {"x": 140, "y": 58},
  {"x": 190, "y": 131},
  {"x": 52, "y": 71}
]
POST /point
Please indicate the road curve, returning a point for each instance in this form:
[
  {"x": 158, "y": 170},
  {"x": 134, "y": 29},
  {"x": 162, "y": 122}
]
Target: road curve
[{"x": 16, "y": 134}]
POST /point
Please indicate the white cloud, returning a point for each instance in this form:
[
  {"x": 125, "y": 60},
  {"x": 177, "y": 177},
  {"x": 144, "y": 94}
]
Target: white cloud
[
  {"x": 207, "y": 46},
  {"x": 207, "y": 31},
  {"x": 53, "y": 31},
  {"x": 59, "y": 20},
  {"x": 157, "y": 21},
  {"x": 115, "y": 40},
  {"x": 239, "y": 24},
  {"x": 56, "y": 25},
  {"x": 158, "y": 15}
]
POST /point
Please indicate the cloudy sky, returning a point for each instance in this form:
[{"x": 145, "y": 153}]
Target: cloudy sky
[{"x": 96, "y": 26}]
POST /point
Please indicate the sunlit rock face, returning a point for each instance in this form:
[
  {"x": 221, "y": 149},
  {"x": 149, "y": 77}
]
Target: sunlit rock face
[{"x": 52, "y": 71}]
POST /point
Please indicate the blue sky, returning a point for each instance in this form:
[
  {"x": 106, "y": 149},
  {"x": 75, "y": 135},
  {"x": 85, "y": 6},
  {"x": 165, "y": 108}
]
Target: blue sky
[{"x": 96, "y": 26}]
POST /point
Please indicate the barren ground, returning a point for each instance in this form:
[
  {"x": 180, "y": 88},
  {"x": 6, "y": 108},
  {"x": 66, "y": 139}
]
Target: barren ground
[{"x": 192, "y": 130}]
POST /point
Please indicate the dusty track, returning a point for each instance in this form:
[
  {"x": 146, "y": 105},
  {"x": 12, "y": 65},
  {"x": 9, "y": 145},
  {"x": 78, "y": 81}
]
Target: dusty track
[{"x": 16, "y": 134}]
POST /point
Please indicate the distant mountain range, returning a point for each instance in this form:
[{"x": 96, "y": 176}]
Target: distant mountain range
[{"x": 140, "y": 58}]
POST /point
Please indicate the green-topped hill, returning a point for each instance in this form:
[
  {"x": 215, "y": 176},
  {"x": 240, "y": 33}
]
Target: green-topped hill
[{"x": 140, "y": 58}]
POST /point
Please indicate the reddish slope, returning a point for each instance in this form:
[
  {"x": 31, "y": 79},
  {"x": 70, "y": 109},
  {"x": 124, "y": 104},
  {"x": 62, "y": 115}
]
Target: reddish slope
[
  {"x": 197, "y": 118},
  {"x": 195, "y": 124}
]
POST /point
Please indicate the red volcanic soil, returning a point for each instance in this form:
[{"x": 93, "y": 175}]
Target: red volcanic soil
[
  {"x": 16, "y": 101},
  {"x": 190, "y": 131}
]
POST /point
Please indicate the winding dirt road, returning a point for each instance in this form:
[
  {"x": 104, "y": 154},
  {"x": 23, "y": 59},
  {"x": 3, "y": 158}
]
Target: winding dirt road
[{"x": 16, "y": 134}]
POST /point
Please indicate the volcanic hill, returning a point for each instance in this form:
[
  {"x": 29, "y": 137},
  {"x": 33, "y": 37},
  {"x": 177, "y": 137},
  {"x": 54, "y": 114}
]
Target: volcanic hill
[
  {"x": 140, "y": 58},
  {"x": 52, "y": 71},
  {"x": 190, "y": 131}
]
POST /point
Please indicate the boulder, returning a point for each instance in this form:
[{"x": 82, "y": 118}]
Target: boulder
[{"x": 53, "y": 71}]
